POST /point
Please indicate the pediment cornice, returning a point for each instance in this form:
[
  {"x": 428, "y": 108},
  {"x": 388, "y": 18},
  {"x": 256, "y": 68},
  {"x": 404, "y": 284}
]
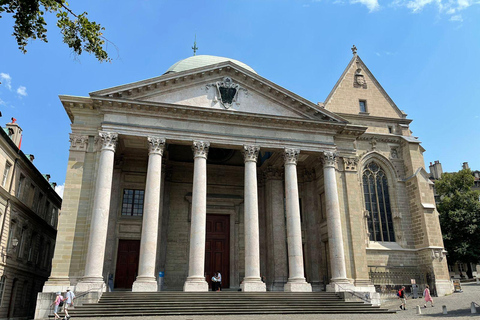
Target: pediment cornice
[
  {"x": 117, "y": 105},
  {"x": 145, "y": 88}
]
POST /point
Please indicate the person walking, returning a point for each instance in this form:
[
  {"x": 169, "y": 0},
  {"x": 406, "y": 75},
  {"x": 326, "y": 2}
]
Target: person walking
[
  {"x": 56, "y": 303},
  {"x": 427, "y": 296},
  {"x": 69, "y": 297},
  {"x": 219, "y": 281},
  {"x": 403, "y": 297}
]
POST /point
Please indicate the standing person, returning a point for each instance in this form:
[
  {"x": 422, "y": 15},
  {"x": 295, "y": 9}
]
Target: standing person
[
  {"x": 427, "y": 296},
  {"x": 403, "y": 297},
  {"x": 214, "y": 282},
  {"x": 58, "y": 299},
  {"x": 69, "y": 297},
  {"x": 219, "y": 281}
]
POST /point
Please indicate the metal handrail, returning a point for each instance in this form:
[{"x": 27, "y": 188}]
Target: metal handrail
[{"x": 356, "y": 294}]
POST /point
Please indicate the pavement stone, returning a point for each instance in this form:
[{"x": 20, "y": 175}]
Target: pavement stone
[{"x": 458, "y": 306}]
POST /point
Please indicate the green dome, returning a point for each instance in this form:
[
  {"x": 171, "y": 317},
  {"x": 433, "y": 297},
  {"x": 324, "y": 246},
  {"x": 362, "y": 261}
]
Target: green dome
[{"x": 201, "y": 61}]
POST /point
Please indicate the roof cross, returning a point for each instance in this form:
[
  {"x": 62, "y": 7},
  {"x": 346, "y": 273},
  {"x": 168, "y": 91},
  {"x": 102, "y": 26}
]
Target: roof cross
[
  {"x": 195, "y": 48},
  {"x": 354, "y": 50}
]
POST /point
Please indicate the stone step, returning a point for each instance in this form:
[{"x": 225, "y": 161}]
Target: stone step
[{"x": 120, "y": 304}]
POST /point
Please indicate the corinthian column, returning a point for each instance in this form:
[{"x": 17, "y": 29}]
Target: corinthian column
[
  {"x": 148, "y": 246},
  {"x": 296, "y": 277},
  {"x": 252, "y": 281},
  {"x": 334, "y": 223},
  {"x": 93, "y": 277},
  {"x": 196, "y": 264}
]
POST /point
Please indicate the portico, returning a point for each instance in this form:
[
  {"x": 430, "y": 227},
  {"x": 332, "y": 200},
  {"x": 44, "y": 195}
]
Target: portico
[{"x": 210, "y": 167}]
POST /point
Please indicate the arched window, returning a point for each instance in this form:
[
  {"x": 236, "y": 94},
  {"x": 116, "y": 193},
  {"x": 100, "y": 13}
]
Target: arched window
[{"x": 377, "y": 203}]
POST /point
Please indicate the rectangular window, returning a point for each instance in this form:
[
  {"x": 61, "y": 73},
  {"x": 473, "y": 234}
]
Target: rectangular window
[
  {"x": 390, "y": 129},
  {"x": 6, "y": 172},
  {"x": 21, "y": 181},
  {"x": 39, "y": 203},
  {"x": 54, "y": 216},
  {"x": 363, "y": 105},
  {"x": 322, "y": 206},
  {"x": 2, "y": 287},
  {"x": 132, "y": 204}
]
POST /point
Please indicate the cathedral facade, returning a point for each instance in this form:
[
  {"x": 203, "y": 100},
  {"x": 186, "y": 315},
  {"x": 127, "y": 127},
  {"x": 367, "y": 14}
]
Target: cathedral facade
[{"x": 213, "y": 168}]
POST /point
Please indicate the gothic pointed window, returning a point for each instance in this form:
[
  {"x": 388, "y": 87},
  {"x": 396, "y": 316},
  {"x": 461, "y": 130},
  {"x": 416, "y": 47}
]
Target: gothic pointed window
[{"x": 377, "y": 203}]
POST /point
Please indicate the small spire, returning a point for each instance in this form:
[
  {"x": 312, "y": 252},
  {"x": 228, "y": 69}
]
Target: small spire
[
  {"x": 354, "y": 50},
  {"x": 195, "y": 48}
]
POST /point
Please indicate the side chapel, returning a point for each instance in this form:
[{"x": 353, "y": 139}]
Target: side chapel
[{"x": 211, "y": 167}]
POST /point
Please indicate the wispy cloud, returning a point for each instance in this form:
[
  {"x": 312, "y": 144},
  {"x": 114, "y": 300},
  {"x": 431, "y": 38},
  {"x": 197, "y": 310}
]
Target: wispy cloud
[
  {"x": 22, "y": 91},
  {"x": 449, "y": 7},
  {"x": 59, "y": 190},
  {"x": 2, "y": 103},
  {"x": 372, "y": 5},
  {"x": 457, "y": 17},
  {"x": 6, "y": 80}
]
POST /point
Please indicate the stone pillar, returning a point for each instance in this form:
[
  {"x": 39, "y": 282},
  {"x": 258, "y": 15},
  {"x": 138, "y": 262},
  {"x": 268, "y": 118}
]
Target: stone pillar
[
  {"x": 334, "y": 223},
  {"x": 355, "y": 212},
  {"x": 252, "y": 281},
  {"x": 93, "y": 277},
  {"x": 146, "y": 280},
  {"x": 196, "y": 264},
  {"x": 276, "y": 231},
  {"x": 296, "y": 277}
]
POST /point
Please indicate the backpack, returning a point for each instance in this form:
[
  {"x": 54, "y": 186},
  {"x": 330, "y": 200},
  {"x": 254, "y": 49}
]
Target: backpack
[{"x": 399, "y": 293}]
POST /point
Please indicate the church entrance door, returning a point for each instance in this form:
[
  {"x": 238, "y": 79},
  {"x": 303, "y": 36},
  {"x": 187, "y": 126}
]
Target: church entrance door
[
  {"x": 217, "y": 248},
  {"x": 127, "y": 263}
]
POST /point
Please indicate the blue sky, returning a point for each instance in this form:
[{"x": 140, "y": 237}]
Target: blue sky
[{"x": 423, "y": 52}]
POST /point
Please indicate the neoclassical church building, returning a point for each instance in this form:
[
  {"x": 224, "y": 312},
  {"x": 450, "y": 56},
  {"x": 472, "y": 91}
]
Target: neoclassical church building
[{"x": 211, "y": 167}]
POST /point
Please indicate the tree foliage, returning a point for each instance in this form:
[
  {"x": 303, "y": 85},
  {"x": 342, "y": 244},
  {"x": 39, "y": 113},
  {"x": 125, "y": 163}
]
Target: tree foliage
[
  {"x": 459, "y": 209},
  {"x": 79, "y": 33}
]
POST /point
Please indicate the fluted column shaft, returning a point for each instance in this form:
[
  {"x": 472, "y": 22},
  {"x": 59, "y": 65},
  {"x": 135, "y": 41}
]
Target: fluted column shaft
[
  {"x": 101, "y": 210},
  {"x": 146, "y": 280},
  {"x": 334, "y": 223},
  {"x": 296, "y": 276},
  {"x": 196, "y": 265},
  {"x": 252, "y": 281}
]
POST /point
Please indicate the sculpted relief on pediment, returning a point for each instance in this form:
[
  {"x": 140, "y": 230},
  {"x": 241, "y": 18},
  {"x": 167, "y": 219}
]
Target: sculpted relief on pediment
[{"x": 226, "y": 92}]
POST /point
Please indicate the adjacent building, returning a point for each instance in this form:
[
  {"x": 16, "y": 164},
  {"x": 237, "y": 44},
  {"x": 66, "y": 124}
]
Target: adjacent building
[
  {"x": 458, "y": 269},
  {"x": 29, "y": 208},
  {"x": 211, "y": 167}
]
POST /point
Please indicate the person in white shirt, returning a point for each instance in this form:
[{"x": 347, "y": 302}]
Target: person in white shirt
[
  {"x": 69, "y": 297},
  {"x": 219, "y": 281}
]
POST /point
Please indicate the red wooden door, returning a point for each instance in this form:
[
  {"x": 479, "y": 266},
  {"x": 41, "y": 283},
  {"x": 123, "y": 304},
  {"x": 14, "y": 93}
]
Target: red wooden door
[
  {"x": 217, "y": 248},
  {"x": 127, "y": 263}
]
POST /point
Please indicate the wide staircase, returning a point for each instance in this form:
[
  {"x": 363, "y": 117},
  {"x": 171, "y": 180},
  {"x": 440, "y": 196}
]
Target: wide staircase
[{"x": 129, "y": 304}]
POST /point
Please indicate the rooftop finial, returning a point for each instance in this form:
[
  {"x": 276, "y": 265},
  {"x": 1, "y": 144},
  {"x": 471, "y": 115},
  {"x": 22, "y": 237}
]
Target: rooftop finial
[
  {"x": 195, "y": 48},
  {"x": 354, "y": 50}
]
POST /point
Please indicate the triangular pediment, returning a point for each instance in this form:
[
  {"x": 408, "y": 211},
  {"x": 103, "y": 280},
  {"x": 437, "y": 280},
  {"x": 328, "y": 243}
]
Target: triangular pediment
[
  {"x": 223, "y": 86},
  {"x": 357, "y": 84}
]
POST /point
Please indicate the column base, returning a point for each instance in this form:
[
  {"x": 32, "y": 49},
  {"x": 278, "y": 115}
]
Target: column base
[
  {"x": 86, "y": 285},
  {"x": 297, "y": 286},
  {"x": 195, "y": 285},
  {"x": 143, "y": 285},
  {"x": 56, "y": 284},
  {"x": 444, "y": 287},
  {"x": 253, "y": 285}
]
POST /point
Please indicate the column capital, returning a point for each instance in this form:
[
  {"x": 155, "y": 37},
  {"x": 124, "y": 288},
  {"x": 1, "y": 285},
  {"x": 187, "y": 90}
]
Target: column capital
[
  {"x": 250, "y": 153},
  {"x": 350, "y": 164},
  {"x": 291, "y": 156},
  {"x": 108, "y": 140},
  {"x": 200, "y": 149},
  {"x": 156, "y": 145},
  {"x": 329, "y": 159},
  {"x": 78, "y": 142}
]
